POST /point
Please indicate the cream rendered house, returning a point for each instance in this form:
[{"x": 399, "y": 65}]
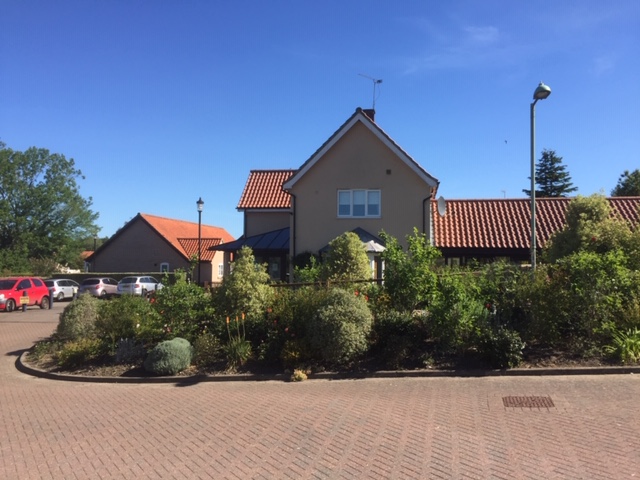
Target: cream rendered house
[{"x": 358, "y": 180}]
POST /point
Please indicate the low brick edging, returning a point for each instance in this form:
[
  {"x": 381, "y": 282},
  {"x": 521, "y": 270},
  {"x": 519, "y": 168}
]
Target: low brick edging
[{"x": 23, "y": 367}]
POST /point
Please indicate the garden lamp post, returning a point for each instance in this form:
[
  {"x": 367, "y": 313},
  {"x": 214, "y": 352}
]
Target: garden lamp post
[
  {"x": 200, "y": 204},
  {"x": 542, "y": 92}
]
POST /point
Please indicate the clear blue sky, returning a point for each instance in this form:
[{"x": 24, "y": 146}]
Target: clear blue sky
[{"x": 161, "y": 102}]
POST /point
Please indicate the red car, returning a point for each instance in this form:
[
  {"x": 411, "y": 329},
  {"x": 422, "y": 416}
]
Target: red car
[{"x": 11, "y": 289}]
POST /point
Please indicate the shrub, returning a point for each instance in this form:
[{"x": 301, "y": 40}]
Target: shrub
[
  {"x": 183, "y": 307},
  {"x": 238, "y": 351},
  {"x": 298, "y": 375},
  {"x": 500, "y": 347},
  {"x": 78, "y": 318},
  {"x": 625, "y": 346},
  {"x": 207, "y": 350},
  {"x": 124, "y": 317},
  {"x": 455, "y": 312},
  {"x": 79, "y": 352},
  {"x": 129, "y": 351},
  {"x": 409, "y": 277},
  {"x": 346, "y": 260},
  {"x": 338, "y": 330},
  {"x": 169, "y": 357},
  {"x": 397, "y": 337}
]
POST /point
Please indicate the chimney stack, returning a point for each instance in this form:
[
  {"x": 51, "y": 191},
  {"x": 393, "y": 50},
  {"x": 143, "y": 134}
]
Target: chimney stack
[{"x": 369, "y": 112}]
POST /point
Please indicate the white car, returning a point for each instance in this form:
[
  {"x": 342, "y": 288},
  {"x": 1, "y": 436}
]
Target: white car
[
  {"x": 62, "y": 288},
  {"x": 142, "y": 285}
]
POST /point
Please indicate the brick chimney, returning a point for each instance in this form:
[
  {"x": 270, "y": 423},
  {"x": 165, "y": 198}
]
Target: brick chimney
[{"x": 369, "y": 112}]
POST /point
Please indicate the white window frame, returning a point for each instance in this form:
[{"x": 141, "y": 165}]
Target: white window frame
[
  {"x": 164, "y": 267},
  {"x": 220, "y": 270},
  {"x": 367, "y": 203}
]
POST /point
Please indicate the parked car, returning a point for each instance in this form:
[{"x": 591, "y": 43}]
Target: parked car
[
  {"x": 142, "y": 285},
  {"x": 62, "y": 288},
  {"x": 11, "y": 289},
  {"x": 102, "y": 287}
]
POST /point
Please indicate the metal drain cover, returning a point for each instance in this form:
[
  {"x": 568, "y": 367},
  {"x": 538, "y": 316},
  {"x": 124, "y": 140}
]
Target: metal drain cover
[{"x": 528, "y": 402}]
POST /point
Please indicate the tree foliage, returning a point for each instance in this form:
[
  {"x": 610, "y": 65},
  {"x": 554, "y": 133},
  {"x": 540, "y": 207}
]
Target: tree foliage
[
  {"x": 591, "y": 227},
  {"x": 552, "y": 177},
  {"x": 409, "y": 277},
  {"x": 346, "y": 259},
  {"x": 628, "y": 184},
  {"x": 42, "y": 214}
]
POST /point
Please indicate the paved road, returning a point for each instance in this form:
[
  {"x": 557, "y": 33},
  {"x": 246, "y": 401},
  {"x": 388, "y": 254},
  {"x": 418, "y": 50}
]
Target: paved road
[{"x": 428, "y": 428}]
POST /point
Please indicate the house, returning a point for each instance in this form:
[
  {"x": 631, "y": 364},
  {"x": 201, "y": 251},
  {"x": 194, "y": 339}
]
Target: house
[
  {"x": 488, "y": 230},
  {"x": 358, "y": 180},
  {"x": 149, "y": 243}
]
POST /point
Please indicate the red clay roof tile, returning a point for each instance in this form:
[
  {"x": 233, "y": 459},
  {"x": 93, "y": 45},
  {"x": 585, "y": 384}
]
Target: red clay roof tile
[
  {"x": 184, "y": 235},
  {"x": 506, "y": 223},
  {"x": 264, "y": 190}
]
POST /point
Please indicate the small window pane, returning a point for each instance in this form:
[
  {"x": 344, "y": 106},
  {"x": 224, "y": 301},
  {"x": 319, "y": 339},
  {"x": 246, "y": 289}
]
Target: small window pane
[
  {"x": 344, "y": 204},
  {"x": 359, "y": 203},
  {"x": 373, "y": 203}
]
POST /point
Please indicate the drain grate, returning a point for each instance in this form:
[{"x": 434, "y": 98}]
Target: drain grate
[{"x": 528, "y": 402}]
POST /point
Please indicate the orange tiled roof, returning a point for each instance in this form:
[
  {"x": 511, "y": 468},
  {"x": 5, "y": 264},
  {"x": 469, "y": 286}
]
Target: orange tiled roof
[
  {"x": 264, "y": 190},
  {"x": 184, "y": 235},
  {"x": 506, "y": 223}
]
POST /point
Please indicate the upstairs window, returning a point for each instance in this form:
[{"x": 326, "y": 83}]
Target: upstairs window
[{"x": 358, "y": 203}]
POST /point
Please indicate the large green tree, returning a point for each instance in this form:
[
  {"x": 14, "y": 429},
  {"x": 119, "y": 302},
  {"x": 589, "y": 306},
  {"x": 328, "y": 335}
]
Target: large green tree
[
  {"x": 628, "y": 184},
  {"x": 552, "y": 178},
  {"x": 42, "y": 214}
]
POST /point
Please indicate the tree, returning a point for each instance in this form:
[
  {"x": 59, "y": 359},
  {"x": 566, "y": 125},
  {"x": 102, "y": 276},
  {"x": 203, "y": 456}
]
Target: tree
[
  {"x": 628, "y": 184},
  {"x": 42, "y": 214},
  {"x": 346, "y": 260},
  {"x": 591, "y": 227},
  {"x": 552, "y": 177}
]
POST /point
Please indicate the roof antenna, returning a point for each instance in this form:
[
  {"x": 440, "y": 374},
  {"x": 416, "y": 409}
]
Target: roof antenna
[{"x": 376, "y": 81}]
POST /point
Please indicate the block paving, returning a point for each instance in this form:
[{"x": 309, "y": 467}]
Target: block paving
[{"x": 376, "y": 428}]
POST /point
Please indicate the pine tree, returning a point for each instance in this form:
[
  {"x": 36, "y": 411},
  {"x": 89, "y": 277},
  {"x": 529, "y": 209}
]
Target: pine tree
[
  {"x": 552, "y": 177},
  {"x": 628, "y": 184}
]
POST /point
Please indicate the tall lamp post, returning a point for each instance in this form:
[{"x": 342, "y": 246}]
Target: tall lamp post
[
  {"x": 542, "y": 92},
  {"x": 200, "y": 204}
]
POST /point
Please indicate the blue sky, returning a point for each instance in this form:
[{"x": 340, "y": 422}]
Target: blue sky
[{"x": 162, "y": 102}]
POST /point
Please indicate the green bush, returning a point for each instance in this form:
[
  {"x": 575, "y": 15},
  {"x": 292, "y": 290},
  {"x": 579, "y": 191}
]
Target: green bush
[
  {"x": 207, "y": 350},
  {"x": 129, "y": 351},
  {"x": 79, "y": 352},
  {"x": 455, "y": 312},
  {"x": 625, "y": 346},
  {"x": 500, "y": 347},
  {"x": 238, "y": 351},
  {"x": 397, "y": 338},
  {"x": 185, "y": 308},
  {"x": 127, "y": 316},
  {"x": 169, "y": 357},
  {"x": 338, "y": 331},
  {"x": 78, "y": 319}
]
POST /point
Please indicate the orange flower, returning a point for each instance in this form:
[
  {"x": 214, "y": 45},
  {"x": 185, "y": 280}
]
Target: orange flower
[{"x": 227, "y": 320}]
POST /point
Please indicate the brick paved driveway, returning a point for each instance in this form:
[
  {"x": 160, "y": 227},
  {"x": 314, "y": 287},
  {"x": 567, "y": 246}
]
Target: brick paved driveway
[{"x": 431, "y": 428}]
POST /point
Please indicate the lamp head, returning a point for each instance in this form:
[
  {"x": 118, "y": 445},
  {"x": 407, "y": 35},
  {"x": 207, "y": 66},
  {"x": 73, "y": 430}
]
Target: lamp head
[
  {"x": 200, "y": 204},
  {"x": 542, "y": 92}
]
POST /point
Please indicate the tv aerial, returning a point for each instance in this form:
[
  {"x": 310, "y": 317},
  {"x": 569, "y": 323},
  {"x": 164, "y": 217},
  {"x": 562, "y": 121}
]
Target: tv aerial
[{"x": 376, "y": 82}]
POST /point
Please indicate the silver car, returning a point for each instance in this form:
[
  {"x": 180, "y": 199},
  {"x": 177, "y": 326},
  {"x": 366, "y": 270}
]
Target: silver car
[
  {"x": 142, "y": 285},
  {"x": 62, "y": 288},
  {"x": 102, "y": 287}
]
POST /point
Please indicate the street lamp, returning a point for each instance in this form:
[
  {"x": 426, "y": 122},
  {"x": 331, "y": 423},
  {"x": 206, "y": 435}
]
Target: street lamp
[
  {"x": 200, "y": 204},
  {"x": 542, "y": 92}
]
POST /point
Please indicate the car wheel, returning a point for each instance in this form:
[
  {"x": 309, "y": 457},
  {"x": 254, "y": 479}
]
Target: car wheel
[
  {"x": 10, "y": 306},
  {"x": 60, "y": 297},
  {"x": 103, "y": 293},
  {"x": 44, "y": 304}
]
